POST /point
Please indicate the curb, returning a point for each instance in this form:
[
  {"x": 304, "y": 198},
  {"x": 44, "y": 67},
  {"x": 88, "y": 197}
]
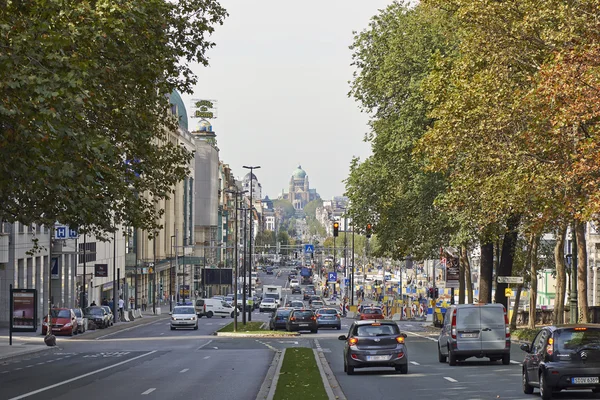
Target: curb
[
  {"x": 11, "y": 357},
  {"x": 332, "y": 387},
  {"x": 254, "y": 335},
  {"x": 267, "y": 389}
]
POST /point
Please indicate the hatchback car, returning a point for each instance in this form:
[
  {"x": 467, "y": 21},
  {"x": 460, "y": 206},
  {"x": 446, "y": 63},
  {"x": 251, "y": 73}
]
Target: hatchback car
[
  {"x": 296, "y": 304},
  {"x": 62, "y": 322},
  {"x": 184, "y": 317},
  {"x": 328, "y": 318},
  {"x": 370, "y": 313},
  {"x": 375, "y": 344},
  {"x": 279, "y": 318},
  {"x": 562, "y": 357},
  {"x": 316, "y": 304},
  {"x": 302, "y": 320},
  {"x": 268, "y": 304}
]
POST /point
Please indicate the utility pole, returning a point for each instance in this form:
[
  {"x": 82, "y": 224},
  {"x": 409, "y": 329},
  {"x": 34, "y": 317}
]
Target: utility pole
[
  {"x": 244, "y": 279},
  {"x": 352, "y": 271},
  {"x": 251, "y": 168},
  {"x": 115, "y": 306},
  {"x": 237, "y": 194}
]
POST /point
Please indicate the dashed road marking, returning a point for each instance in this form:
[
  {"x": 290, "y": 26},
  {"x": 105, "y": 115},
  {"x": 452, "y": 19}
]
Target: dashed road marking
[
  {"x": 423, "y": 336},
  {"x": 184, "y": 370},
  {"x": 268, "y": 345},
  {"x": 207, "y": 357},
  {"x": 205, "y": 344},
  {"x": 5, "y": 372},
  {"x": 149, "y": 391},
  {"x": 415, "y": 363},
  {"x": 450, "y": 379},
  {"x": 515, "y": 362}
]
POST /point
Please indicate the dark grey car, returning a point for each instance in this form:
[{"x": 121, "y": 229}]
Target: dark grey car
[
  {"x": 375, "y": 343},
  {"x": 302, "y": 320}
]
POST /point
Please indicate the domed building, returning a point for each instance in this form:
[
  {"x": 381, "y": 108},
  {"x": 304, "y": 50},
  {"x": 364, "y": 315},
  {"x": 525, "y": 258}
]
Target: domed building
[
  {"x": 299, "y": 192},
  {"x": 256, "y": 186}
]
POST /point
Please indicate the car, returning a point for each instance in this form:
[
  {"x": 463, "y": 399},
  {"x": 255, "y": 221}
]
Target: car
[
  {"x": 184, "y": 317},
  {"x": 316, "y": 304},
  {"x": 269, "y": 271},
  {"x": 562, "y": 357},
  {"x": 279, "y": 318},
  {"x": 375, "y": 343},
  {"x": 111, "y": 317},
  {"x": 294, "y": 283},
  {"x": 474, "y": 330},
  {"x": 302, "y": 319},
  {"x": 328, "y": 318},
  {"x": 314, "y": 297},
  {"x": 370, "y": 313},
  {"x": 213, "y": 307},
  {"x": 268, "y": 304},
  {"x": 62, "y": 322},
  {"x": 308, "y": 293},
  {"x": 296, "y": 304},
  {"x": 81, "y": 320},
  {"x": 296, "y": 290},
  {"x": 97, "y": 315}
]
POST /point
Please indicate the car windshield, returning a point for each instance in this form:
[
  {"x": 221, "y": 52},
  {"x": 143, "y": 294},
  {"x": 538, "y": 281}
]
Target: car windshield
[
  {"x": 77, "y": 313},
  {"x": 60, "y": 313},
  {"x": 284, "y": 313},
  {"x": 271, "y": 296},
  {"x": 303, "y": 314},
  {"x": 297, "y": 304},
  {"x": 574, "y": 339},
  {"x": 95, "y": 311},
  {"x": 183, "y": 310},
  {"x": 318, "y": 303},
  {"x": 329, "y": 311},
  {"x": 268, "y": 300},
  {"x": 371, "y": 311},
  {"x": 377, "y": 330}
]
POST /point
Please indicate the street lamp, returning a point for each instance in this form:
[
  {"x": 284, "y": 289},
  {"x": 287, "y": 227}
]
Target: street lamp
[
  {"x": 251, "y": 168},
  {"x": 236, "y": 193}
]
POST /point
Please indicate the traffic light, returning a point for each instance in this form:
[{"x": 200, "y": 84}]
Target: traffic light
[
  {"x": 295, "y": 254},
  {"x": 430, "y": 292},
  {"x": 437, "y": 293},
  {"x": 369, "y": 230},
  {"x": 336, "y": 228}
]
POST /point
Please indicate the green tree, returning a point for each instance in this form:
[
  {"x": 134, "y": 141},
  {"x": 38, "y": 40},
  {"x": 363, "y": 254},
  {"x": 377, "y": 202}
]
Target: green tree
[
  {"x": 265, "y": 238},
  {"x": 311, "y": 208},
  {"x": 84, "y": 109},
  {"x": 286, "y": 208}
]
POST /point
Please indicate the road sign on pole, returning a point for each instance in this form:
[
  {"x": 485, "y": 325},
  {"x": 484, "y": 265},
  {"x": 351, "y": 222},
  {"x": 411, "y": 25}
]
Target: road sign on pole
[
  {"x": 309, "y": 248},
  {"x": 510, "y": 279},
  {"x": 332, "y": 277}
]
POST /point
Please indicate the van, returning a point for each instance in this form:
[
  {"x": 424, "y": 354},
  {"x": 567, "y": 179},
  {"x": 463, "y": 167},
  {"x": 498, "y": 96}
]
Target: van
[
  {"x": 213, "y": 307},
  {"x": 474, "y": 330}
]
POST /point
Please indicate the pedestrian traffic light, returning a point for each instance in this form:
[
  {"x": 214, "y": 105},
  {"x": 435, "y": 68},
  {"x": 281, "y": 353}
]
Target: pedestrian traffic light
[
  {"x": 437, "y": 293},
  {"x": 369, "y": 230},
  {"x": 336, "y": 227},
  {"x": 430, "y": 292}
]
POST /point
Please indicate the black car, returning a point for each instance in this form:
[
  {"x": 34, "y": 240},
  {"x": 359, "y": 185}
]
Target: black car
[
  {"x": 97, "y": 315},
  {"x": 302, "y": 320},
  {"x": 562, "y": 357},
  {"x": 279, "y": 318},
  {"x": 269, "y": 270},
  {"x": 292, "y": 275},
  {"x": 296, "y": 289},
  {"x": 375, "y": 343},
  {"x": 308, "y": 293}
]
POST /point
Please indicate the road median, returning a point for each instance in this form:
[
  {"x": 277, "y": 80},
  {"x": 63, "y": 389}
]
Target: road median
[
  {"x": 252, "y": 329},
  {"x": 299, "y": 377}
]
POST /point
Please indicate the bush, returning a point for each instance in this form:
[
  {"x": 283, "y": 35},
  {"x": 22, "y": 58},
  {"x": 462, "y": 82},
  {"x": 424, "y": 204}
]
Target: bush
[{"x": 525, "y": 334}]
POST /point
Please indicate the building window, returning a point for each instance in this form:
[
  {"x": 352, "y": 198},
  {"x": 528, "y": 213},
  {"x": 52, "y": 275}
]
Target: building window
[{"x": 90, "y": 252}]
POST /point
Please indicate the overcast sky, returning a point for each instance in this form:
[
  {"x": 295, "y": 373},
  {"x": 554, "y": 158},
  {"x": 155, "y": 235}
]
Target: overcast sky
[{"x": 280, "y": 73}]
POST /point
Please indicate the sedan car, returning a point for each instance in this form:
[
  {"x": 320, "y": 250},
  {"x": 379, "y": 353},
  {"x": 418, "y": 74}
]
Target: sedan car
[
  {"x": 62, "y": 322},
  {"x": 562, "y": 358},
  {"x": 279, "y": 318},
  {"x": 97, "y": 315},
  {"x": 328, "y": 318},
  {"x": 184, "y": 317},
  {"x": 302, "y": 320},
  {"x": 375, "y": 344},
  {"x": 370, "y": 313}
]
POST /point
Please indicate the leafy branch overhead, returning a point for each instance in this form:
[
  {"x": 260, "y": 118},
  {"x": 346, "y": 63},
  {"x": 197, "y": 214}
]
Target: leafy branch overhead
[{"x": 84, "y": 108}]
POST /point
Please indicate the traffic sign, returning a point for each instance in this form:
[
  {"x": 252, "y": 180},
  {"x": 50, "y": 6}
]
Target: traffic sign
[
  {"x": 508, "y": 292},
  {"x": 510, "y": 279},
  {"x": 309, "y": 248},
  {"x": 332, "y": 277},
  {"x": 347, "y": 282},
  {"x": 60, "y": 232}
]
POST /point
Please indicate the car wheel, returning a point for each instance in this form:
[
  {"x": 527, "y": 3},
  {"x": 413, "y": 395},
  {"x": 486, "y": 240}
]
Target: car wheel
[
  {"x": 506, "y": 359},
  {"x": 545, "y": 389},
  {"x": 200, "y": 316},
  {"x": 339, "y": 327},
  {"x": 209, "y": 314},
  {"x": 441, "y": 357},
  {"x": 196, "y": 328},
  {"x": 451, "y": 357},
  {"x": 403, "y": 369},
  {"x": 350, "y": 370},
  {"x": 345, "y": 367},
  {"x": 527, "y": 388}
]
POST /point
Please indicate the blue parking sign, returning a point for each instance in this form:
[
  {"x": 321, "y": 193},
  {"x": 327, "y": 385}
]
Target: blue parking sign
[
  {"x": 347, "y": 282},
  {"x": 332, "y": 277},
  {"x": 60, "y": 232}
]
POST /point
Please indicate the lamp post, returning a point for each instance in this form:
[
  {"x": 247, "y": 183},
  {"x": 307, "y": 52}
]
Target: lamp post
[
  {"x": 251, "y": 168},
  {"x": 244, "y": 273},
  {"x": 236, "y": 193},
  {"x": 171, "y": 288},
  {"x": 352, "y": 271}
]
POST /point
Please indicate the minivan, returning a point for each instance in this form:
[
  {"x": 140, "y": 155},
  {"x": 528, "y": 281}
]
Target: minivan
[
  {"x": 475, "y": 330},
  {"x": 213, "y": 307}
]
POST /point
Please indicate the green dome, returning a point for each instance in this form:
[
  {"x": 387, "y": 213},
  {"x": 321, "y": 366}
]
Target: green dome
[{"x": 299, "y": 173}]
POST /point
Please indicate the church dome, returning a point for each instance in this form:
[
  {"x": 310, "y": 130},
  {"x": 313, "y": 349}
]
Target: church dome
[{"x": 299, "y": 173}]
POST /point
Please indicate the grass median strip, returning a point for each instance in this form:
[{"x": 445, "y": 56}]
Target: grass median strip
[
  {"x": 299, "y": 378},
  {"x": 249, "y": 327}
]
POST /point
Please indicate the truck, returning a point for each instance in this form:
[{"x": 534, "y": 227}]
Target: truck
[
  {"x": 307, "y": 276},
  {"x": 274, "y": 292}
]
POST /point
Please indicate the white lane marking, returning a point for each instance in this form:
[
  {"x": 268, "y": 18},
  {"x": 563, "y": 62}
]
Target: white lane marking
[
  {"x": 149, "y": 391},
  {"x": 450, "y": 379},
  {"x": 415, "y": 363},
  {"x": 207, "y": 357},
  {"x": 125, "y": 330},
  {"x": 515, "y": 362},
  {"x": 207, "y": 343},
  {"x": 40, "y": 363},
  {"x": 18, "y": 369},
  {"x": 81, "y": 376},
  {"x": 184, "y": 370},
  {"x": 162, "y": 334},
  {"x": 5, "y": 372},
  {"x": 216, "y": 348},
  {"x": 422, "y": 336},
  {"x": 268, "y": 345}
]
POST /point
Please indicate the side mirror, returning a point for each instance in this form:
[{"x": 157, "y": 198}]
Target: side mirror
[
  {"x": 342, "y": 337},
  {"x": 525, "y": 348}
]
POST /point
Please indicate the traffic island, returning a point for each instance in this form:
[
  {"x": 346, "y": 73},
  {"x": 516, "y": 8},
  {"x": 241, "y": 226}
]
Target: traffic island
[
  {"x": 251, "y": 329},
  {"x": 299, "y": 377}
]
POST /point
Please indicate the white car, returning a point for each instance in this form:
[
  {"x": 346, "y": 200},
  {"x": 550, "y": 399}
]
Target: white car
[
  {"x": 294, "y": 283},
  {"x": 184, "y": 317},
  {"x": 268, "y": 304}
]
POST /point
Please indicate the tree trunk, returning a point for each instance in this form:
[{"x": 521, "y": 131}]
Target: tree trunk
[
  {"x": 582, "y": 300},
  {"x": 561, "y": 275},
  {"x": 513, "y": 318},
  {"x": 468, "y": 283},
  {"x": 533, "y": 244},
  {"x": 508, "y": 253},
  {"x": 461, "y": 277},
  {"x": 486, "y": 271}
]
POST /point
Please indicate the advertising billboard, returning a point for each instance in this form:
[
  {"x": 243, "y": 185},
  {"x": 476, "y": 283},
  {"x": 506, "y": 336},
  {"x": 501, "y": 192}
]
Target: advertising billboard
[
  {"x": 24, "y": 312},
  {"x": 452, "y": 272},
  {"x": 101, "y": 270},
  {"x": 221, "y": 276}
]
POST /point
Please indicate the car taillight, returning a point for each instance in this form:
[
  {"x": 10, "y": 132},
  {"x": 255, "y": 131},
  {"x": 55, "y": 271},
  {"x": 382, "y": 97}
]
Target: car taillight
[
  {"x": 506, "y": 324},
  {"x": 550, "y": 347},
  {"x": 313, "y": 318},
  {"x": 453, "y": 332},
  {"x": 400, "y": 339},
  {"x": 352, "y": 341},
  {"x": 292, "y": 318},
  {"x": 318, "y": 315}
]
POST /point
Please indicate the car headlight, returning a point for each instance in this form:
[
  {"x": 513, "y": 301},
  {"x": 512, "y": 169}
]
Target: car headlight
[
  {"x": 173, "y": 318},
  {"x": 68, "y": 325}
]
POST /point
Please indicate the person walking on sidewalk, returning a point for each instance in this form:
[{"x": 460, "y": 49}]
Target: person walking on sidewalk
[
  {"x": 121, "y": 308},
  {"x": 144, "y": 303}
]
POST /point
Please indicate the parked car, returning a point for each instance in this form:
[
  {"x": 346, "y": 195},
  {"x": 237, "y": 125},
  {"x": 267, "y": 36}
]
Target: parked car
[
  {"x": 111, "y": 317},
  {"x": 475, "y": 330},
  {"x": 184, "y": 317},
  {"x": 279, "y": 318},
  {"x": 97, "y": 315},
  {"x": 562, "y": 357},
  {"x": 370, "y": 313},
  {"x": 328, "y": 318},
  {"x": 81, "y": 320},
  {"x": 213, "y": 307},
  {"x": 375, "y": 344},
  {"x": 302, "y": 320},
  {"x": 62, "y": 322}
]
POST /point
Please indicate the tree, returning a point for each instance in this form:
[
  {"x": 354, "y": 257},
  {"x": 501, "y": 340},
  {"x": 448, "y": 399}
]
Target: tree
[
  {"x": 265, "y": 238},
  {"x": 84, "y": 109},
  {"x": 285, "y": 207},
  {"x": 311, "y": 208}
]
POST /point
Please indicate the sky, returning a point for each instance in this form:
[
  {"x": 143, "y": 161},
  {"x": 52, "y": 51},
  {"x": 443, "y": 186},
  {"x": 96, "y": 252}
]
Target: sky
[{"x": 280, "y": 72}]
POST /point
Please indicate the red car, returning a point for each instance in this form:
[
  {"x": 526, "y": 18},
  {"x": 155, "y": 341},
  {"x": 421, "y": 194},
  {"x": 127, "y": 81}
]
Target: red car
[
  {"x": 370, "y": 313},
  {"x": 63, "y": 322}
]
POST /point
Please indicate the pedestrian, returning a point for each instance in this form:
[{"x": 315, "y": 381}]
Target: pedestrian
[
  {"x": 104, "y": 302},
  {"x": 144, "y": 303},
  {"x": 93, "y": 303},
  {"x": 121, "y": 308},
  {"x": 131, "y": 301}
]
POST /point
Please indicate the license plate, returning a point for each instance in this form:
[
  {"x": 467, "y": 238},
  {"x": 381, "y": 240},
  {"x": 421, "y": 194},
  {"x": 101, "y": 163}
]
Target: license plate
[
  {"x": 468, "y": 335},
  {"x": 584, "y": 381},
  {"x": 378, "y": 358},
  {"x": 303, "y": 324}
]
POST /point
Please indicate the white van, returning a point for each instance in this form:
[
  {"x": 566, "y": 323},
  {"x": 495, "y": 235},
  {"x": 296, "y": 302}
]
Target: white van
[{"x": 213, "y": 307}]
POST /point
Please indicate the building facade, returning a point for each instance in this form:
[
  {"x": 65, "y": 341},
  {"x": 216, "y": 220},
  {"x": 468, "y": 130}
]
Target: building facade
[{"x": 299, "y": 191}]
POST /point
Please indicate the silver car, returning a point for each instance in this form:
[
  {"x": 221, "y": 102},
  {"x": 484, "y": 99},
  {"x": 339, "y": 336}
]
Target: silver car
[
  {"x": 81, "y": 320},
  {"x": 184, "y": 317}
]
